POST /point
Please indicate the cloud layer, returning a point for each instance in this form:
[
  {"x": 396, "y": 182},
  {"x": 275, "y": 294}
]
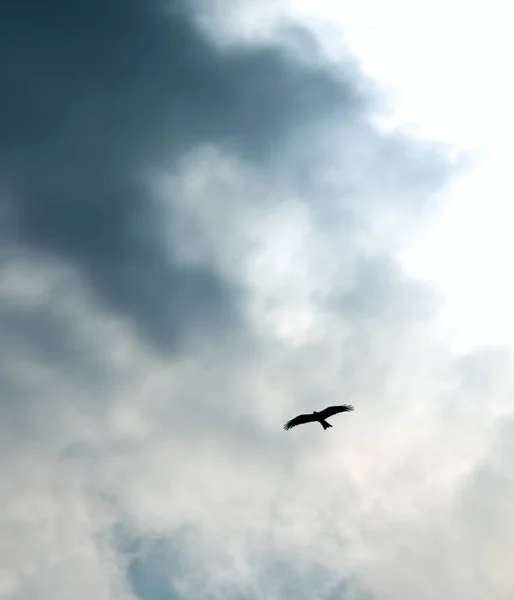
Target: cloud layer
[{"x": 198, "y": 242}]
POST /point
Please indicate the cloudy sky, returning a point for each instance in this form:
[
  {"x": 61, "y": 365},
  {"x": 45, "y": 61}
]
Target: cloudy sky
[{"x": 217, "y": 214}]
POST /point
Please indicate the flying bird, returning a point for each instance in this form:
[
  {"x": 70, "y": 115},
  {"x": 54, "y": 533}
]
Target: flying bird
[{"x": 319, "y": 417}]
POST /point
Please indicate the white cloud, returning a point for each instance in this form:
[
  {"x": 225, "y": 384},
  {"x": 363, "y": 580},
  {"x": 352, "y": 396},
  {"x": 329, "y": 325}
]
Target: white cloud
[
  {"x": 197, "y": 442},
  {"x": 444, "y": 67}
]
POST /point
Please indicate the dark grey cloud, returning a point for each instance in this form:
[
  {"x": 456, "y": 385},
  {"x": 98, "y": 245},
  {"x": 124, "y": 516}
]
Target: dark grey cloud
[{"x": 95, "y": 94}]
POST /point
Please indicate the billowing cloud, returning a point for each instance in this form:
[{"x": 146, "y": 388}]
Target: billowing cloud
[{"x": 199, "y": 233}]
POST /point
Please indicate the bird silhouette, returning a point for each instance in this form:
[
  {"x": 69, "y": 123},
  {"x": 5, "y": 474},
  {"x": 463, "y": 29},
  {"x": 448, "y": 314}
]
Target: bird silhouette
[{"x": 319, "y": 417}]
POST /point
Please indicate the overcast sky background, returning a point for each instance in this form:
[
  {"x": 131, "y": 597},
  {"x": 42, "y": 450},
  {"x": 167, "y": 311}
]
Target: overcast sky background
[{"x": 216, "y": 215}]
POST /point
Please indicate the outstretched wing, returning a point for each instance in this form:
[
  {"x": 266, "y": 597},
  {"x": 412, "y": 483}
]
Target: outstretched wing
[
  {"x": 299, "y": 420},
  {"x": 334, "y": 410}
]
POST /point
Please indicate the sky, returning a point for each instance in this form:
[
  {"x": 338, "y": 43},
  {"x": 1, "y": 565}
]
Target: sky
[{"x": 215, "y": 215}]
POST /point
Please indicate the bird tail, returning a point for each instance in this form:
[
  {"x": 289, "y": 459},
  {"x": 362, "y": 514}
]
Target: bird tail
[{"x": 325, "y": 424}]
